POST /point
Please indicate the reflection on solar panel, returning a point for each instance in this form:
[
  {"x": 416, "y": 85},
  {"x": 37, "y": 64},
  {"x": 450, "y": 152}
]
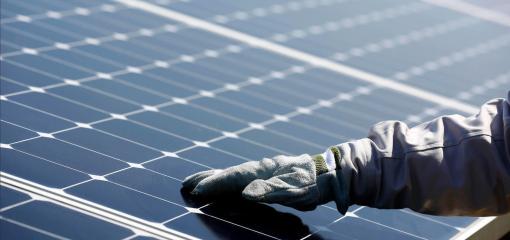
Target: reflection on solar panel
[{"x": 106, "y": 107}]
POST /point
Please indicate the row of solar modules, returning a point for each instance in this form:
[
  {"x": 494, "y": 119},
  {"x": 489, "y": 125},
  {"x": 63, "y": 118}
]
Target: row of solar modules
[
  {"x": 426, "y": 46},
  {"x": 145, "y": 137}
]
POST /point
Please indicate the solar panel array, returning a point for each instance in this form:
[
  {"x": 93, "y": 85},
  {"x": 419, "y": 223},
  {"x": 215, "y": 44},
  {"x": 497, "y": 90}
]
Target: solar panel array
[{"x": 109, "y": 107}]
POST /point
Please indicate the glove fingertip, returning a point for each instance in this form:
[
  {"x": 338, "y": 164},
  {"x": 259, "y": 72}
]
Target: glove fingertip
[
  {"x": 197, "y": 191},
  {"x": 189, "y": 182},
  {"x": 193, "y": 180}
]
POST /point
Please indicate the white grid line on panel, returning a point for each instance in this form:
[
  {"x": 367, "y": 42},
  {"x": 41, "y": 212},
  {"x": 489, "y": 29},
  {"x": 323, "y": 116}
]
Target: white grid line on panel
[
  {"x": 44, "y": 14},
  {"x": 348, "y": 214},
  {"x": 452, "y": 58},
  {"x": 375, "y": 16},
  {"x": 59, "y": 14},
  {"x": 488, "y": 84},
  {"x": 125, "y": 36},
  {"x": 32, "y": 228},
  {"x": 410, "y": 37},
  {"x": 15, "y": 205},
  {"x": 275, "y": 9}
]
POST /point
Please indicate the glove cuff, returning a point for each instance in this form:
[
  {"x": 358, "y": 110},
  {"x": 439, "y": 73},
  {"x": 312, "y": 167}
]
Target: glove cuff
[
  {"x": 320, "y": 164},
  {"x": 327, "y": 161},
  {"x": 331, "y": 184}
]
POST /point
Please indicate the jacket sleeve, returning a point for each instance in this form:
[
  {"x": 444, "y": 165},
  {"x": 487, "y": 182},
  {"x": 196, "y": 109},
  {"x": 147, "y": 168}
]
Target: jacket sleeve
[{"x": 452, "y": 165}]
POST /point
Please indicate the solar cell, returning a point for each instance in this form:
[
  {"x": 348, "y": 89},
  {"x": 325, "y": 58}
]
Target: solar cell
[{"x": 111, "y": 106}]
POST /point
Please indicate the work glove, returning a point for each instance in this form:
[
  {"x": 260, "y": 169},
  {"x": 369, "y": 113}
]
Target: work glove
[{"x": 302, "y": 182}]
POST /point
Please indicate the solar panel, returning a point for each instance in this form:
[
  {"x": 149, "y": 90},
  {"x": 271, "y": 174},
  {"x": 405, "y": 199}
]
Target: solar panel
[{"x": 106, "y": 107}]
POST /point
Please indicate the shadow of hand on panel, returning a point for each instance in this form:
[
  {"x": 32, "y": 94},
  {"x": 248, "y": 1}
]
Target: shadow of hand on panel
[{"x": 260, "y": 217}]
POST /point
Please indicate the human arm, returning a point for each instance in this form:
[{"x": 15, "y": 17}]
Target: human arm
[{"x": 451, "y": 165}]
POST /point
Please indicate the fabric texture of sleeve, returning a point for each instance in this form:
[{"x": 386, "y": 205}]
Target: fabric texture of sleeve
[{"x": 452, "y": 165}]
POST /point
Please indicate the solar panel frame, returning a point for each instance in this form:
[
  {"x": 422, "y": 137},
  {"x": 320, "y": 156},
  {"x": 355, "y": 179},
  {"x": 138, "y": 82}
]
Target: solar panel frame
[{"x": 24, "y": 214}]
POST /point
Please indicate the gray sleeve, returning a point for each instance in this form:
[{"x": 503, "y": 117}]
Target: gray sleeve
[{"x": 452, "y": 165}]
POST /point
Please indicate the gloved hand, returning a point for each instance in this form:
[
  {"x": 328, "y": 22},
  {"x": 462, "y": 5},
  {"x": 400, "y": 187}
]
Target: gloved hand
[{"x": 301, "y": 182}]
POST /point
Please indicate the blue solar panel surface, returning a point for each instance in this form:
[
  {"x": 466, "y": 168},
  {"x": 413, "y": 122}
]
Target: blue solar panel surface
[
  {"x": 463, "y": 58},
  {"x": 115, "y": 106}
]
